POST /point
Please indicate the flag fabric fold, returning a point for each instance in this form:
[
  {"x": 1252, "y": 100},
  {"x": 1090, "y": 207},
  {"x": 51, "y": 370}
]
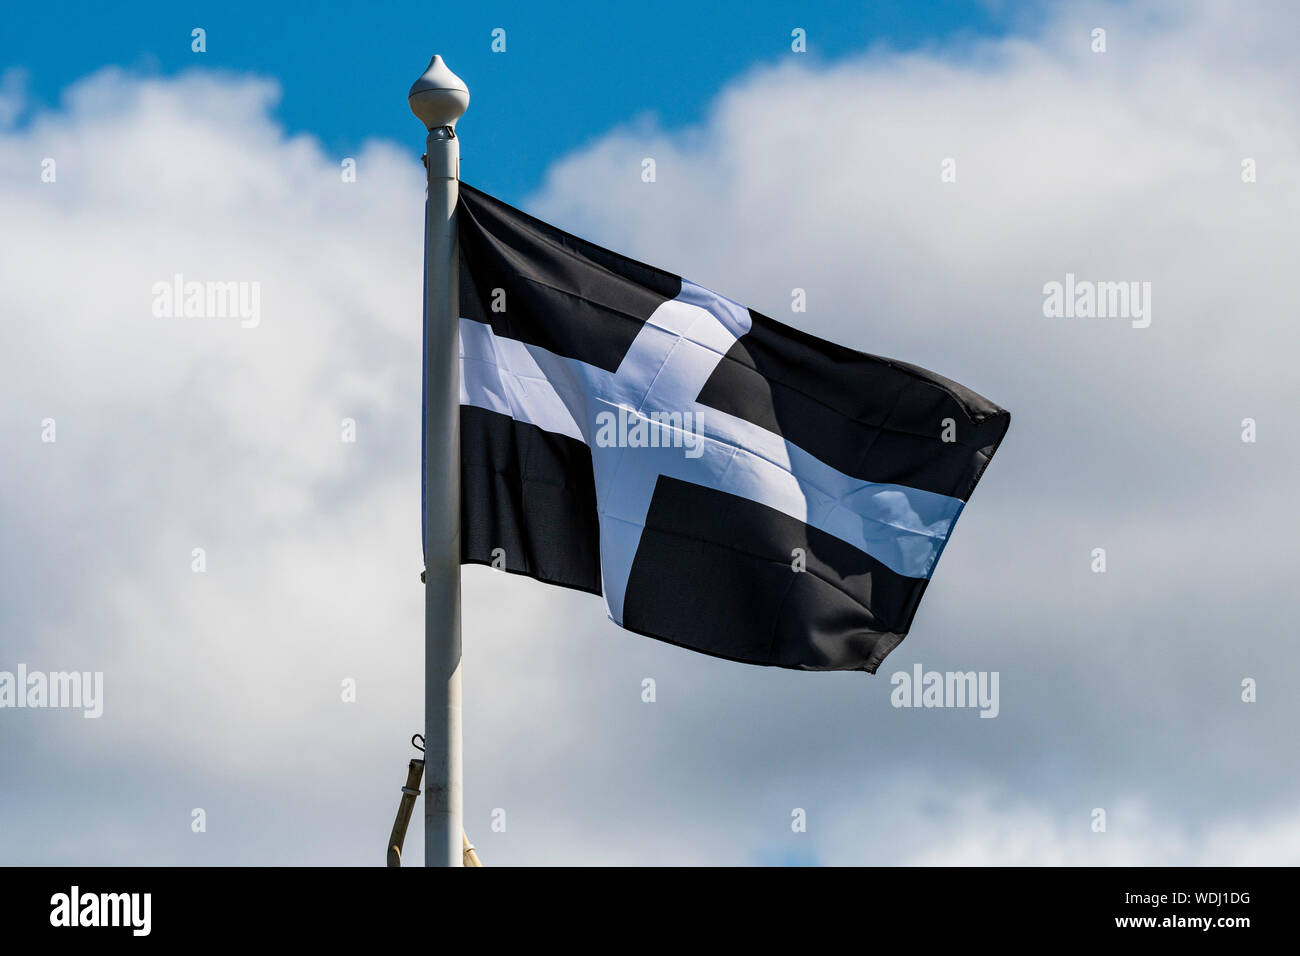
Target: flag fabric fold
[{"x": 725, "y": 482}]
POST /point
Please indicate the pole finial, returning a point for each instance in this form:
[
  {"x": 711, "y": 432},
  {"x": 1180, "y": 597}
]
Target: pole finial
[{"x": 439, "y": 97}]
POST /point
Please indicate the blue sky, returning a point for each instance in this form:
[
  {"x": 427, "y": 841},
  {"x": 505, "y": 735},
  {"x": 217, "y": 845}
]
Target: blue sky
[{"x": 570, "y": 71}]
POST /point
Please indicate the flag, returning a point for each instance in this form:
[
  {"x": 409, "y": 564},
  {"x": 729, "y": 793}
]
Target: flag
[{"x": 725, "y": 482}]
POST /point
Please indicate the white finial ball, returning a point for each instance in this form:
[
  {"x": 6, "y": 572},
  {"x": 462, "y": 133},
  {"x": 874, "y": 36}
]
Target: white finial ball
[{"x": 439, "y": 97}]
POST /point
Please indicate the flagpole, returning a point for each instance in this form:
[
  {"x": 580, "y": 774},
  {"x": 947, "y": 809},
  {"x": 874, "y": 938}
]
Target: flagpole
[{"x": 439, "y": 98}]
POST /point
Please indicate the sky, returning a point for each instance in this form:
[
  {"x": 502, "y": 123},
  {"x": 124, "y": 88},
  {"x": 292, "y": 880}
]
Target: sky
[
  {"x": 568, "y": 72},
  {"x": 824, "y": 171}
]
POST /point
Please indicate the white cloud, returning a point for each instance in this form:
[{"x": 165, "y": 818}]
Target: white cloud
[
  {"x": 13, "y": 95},
  {"x": 222, "y": 689},
  {"x": 984, "y": 829}
]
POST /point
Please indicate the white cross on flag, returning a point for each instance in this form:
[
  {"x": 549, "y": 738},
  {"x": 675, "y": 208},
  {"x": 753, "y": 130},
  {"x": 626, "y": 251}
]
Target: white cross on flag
[{"x": 725, "y": 482}]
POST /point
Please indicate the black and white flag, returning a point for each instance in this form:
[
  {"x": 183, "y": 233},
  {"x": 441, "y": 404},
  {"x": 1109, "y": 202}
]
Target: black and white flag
[{"x": 725, "y": 482}]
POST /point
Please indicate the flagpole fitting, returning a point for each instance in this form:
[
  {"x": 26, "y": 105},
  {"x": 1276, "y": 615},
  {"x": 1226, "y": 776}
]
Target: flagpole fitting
[{"x": 439, "y": 97}]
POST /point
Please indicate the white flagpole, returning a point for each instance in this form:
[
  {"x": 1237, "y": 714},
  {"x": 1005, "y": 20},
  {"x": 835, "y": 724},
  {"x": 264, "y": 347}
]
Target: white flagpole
[{"x": 439, "y": 98}]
